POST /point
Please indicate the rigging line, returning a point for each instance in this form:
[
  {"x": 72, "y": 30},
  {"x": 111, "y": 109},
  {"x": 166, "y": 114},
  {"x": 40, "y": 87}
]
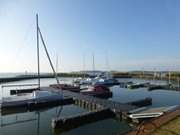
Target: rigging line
[
  {"x": 23, "y": 44},
  {"x": 56, "y": 63},
  {"x": 107, "y": 61},
  {"x": 51, "y": 64},
  {"x": 84, "y": 65},
  {"x": 93, "y": 64},
  {"x": 25, "y": 38}
]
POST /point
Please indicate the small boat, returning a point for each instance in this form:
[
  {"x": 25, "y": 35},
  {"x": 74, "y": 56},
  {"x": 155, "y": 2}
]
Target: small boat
[
  {"x": 42, "y": 98},
  {"x": 124, "y": 84},
  {"x": 98, "y": 91},
  {"x": 77, "y": 80},
  {"x": 143, "y": 113},
  {"x": 22, "y": 91},
  {"x": 35, "y": 95},
  {"x": 86, "y": 81},
  {"x": 137, "y": 85},
  {"x": 107, "y": 82},
  {"x": 66, "y": 87}
]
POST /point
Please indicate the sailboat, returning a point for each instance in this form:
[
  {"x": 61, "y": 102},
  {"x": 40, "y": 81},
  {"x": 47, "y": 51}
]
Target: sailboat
[
  {"x": 106, "y": 78},
  {"x": 41, "y": 95}
]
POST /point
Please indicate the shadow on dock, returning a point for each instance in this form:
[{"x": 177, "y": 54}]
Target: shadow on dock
[{"x": 24, "y": 106}]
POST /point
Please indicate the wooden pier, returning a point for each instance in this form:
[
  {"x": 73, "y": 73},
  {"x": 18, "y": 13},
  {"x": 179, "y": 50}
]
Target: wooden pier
[
  {"x": 118, "y": 109},
  {"x": 149, "y": 86},
  {"x": 100, "y": 108},
  {"x": 164, "y": 87},
  {"x": 81, "y": 119},
  {"x": 113, "y": 105}
]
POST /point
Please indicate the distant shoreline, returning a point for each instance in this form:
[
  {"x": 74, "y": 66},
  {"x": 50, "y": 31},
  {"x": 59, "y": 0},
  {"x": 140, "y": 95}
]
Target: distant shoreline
[
  {"x": 29, "y": 77},
  {"x": 174, "y": 76}
]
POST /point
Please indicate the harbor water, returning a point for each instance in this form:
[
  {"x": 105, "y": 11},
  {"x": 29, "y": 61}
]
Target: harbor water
[{"x": 39, "y": 122}]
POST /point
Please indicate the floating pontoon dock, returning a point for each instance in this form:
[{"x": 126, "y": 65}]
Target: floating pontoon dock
[
  {"x": 117, "y": 108},
  {"x": 28, "y": 102},
  {"x": 71, "y": 122},
  {"x": 113, "y": 105},
  {"x": 99, "y": 105}
]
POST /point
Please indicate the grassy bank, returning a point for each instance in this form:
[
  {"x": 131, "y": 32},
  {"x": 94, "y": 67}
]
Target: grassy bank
[{"x": 171, "y": 128}]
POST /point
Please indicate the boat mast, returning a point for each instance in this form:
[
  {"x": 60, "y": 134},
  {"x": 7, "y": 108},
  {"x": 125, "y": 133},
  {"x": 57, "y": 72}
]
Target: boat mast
[
  {"x": 107, "y": 62},
  {"x": 84, "y": 65},
  {"x": 93, "y": 65},
  {"x": 38, "y": 51},
  {"x": 57, "y": 66},
  {"x": 48, "y": 56}
]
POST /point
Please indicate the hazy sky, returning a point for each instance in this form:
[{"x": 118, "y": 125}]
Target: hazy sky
[{"x": 131, "y": 34}]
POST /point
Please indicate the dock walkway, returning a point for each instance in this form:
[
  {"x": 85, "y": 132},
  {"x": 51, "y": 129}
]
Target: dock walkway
[
  {"x": 102, "y": 108},
  {"x": 116, "y": 107}
]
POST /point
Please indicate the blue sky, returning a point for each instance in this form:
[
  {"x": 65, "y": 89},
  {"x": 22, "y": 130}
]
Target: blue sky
[{"x": 132, "y": 34}]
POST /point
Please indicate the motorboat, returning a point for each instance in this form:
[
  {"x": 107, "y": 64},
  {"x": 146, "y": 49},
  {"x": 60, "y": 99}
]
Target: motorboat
[
  {"x": 66, "y": 87},
  {"x": 107, "y": 82},
  {"x": 98, "y": 91},
  {"x": 77, "y": 80},
  {"x": 35, "y": 95}
]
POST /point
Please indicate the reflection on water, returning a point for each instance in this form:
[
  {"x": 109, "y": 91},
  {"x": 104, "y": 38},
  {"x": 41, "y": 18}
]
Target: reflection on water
[
  {"x": 104, "y": 127},
  {"x": 34, "y": 123},
  {"x": 159, "y": 97},
  {"x": 39, "y": 122}
]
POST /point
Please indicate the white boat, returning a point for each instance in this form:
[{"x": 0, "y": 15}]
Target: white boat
[
  {"x": 107, "y": 82},
  {"x": 144, "y": 112},
  {"x": 35, "y": 95},
  {"x": 145, "y": 115},
  {"x": 39, "y": 93}
]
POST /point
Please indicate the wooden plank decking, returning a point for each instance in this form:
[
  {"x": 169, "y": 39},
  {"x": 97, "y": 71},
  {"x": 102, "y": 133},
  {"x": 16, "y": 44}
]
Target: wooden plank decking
[{"x": 116, "y": 107}]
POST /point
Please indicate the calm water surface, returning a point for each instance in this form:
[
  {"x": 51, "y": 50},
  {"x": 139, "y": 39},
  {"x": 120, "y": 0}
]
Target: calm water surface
[
  {"x": 39, "y": 122},
  {"x": 159, "y": 97}
]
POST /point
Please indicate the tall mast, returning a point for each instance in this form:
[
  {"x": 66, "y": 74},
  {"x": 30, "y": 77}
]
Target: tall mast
[
  {"x": 169, "y": 77},
  {"x": 38, "y": 51},
  {"x": 57, "y": 60},
  {"x": 107, "y": 62},
  {"x": 84, "y": 65},
  {"x": 93, "y": 66}
]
